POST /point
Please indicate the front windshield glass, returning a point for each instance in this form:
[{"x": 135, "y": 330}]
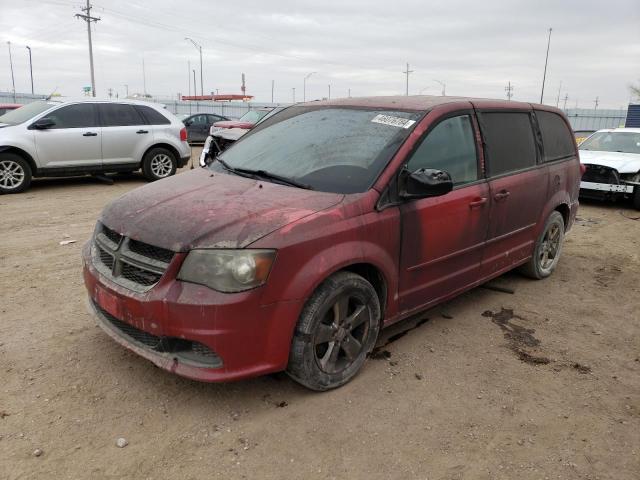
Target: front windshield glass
[
  {"x": 26, "y": 112},
  {"x": 252, "y": 116},
  {"x": 331, "y": 149},
  {"x": 625, "y": 142}
]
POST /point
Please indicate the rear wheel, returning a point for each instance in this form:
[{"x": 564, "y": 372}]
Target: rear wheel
[
  {"x": 159, "y": 163},
  {"x": 338, "y": 327},
  {"x": 548, "y": 248},
  {"x": 15, "y": 173}
]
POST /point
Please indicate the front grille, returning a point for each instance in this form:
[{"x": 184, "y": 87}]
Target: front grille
[
  {"x": 131, "y": 263},
  {"x": 186, "y": 350},
  {"x": 601, "y": 174}
]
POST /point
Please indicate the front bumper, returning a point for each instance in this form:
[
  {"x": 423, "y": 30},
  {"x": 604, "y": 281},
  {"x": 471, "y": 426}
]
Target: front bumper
[
  {"x": 244, "y": 338},
  {"x": 607, "y": 187}
]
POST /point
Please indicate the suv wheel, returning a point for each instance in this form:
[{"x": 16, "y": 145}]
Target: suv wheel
[
  {"x": 546, "y": 253},
  {"x": 159, "y": 163},
  {"x": 636, "y": 197},
  {"x": 336, "y": 330},
  {"x": 15, "y": 173}
]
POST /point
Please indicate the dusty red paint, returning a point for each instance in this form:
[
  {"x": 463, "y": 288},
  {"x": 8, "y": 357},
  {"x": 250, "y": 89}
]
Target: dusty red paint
[
  {"x": 427, "y": 250},
  {"x": 234, "y": 124}
]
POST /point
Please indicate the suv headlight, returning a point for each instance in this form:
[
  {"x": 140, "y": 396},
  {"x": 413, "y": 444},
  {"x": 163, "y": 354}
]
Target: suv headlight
[{"x": 227, "y": 270}]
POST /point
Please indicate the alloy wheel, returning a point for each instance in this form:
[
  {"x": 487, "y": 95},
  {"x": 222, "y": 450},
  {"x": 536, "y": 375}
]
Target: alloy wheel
[
  {"x": 339, "y": 337},
  {"x": 161, "y": 165},
  {"x": 12, "y": 174},
  {"x": 550, "y": 247}
]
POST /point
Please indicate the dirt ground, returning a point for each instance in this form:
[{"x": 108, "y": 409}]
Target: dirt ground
[{"x": 540, "y": 384}]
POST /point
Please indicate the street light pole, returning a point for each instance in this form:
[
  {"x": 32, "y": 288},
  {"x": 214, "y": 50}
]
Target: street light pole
[
  {"x": 194, "y": 81},
  {"x": 30, "y": 67},
  {"x": 13, "y": 81},
  {"x": 199, "y": 48},
  {"x": 444, "y": 86},
  {"x": 304, "y": 86},
  {"x": 126, "y": 89}
]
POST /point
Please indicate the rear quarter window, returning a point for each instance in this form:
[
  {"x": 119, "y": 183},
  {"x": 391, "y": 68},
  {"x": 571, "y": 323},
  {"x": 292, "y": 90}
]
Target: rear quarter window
[
  {"x": 556, "y": 137},
  {"x": 509, "y": 141},
  {"x": 153, "y": 117}
]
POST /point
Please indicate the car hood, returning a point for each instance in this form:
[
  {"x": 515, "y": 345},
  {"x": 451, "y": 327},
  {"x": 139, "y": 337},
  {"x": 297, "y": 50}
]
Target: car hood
[
  {"x": 203, "y": 209},
  {"x": 232, "y": 134},
  {"x": 622, "y": 162},
  {"x": 234, "y": 124}
]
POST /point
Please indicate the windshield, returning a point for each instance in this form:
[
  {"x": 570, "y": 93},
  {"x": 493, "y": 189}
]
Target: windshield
[
  {"x": 331, "y": 149},
  {"x": 625, "y": 142},
  {"x": 26, "y": 112},
  {"x": 252, "y": 116}
]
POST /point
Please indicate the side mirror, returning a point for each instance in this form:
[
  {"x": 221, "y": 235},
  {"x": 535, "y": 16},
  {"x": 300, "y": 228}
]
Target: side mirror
[
  {"x": 424, "y": 182},
  {"x": 43, "y": 123}
]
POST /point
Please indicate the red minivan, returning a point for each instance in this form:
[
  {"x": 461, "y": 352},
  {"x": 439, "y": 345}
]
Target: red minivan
[{"x": 326, "y": 223}]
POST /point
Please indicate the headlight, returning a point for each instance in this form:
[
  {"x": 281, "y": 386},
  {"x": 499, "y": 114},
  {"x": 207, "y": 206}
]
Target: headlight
[{"x": 227, "y": 270}]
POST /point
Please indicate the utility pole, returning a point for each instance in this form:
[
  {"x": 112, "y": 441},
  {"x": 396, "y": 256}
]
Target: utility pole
[
  {"x": 304, "y": 86},
  {"x": 329, "y": 97},
  {"x": 30, "y": 67},
  {"x": 199, "y": 48},
  {"x": 126, "y": 89},
  {"x": 509, "y": 90},
  {"x": 13, "y": 81},
  {"x": 566, "y": 97},
  {"x": 189, "y": 75},
  {"x": 407, "y": 72},
  {"x": 194, "y": 81},
  {"x": 596, "y": 102},
  {"x": 558, "y": 97},
  {"x": 294, "y": 94},
  {"x": 544, "y": 75},
  {"x": 110, "y": 92},
  {"x": 144, "y": 79},
  {"x": 272, "y": 87},
  {"x": 88, "y": 18},
  {"x": 349, "y": 93}
]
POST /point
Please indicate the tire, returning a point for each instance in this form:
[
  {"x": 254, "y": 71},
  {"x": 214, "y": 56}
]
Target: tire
[
  {"x": 636, "y": 197},
  {"x": 548, "y": 249},
  {"x": 337, "y": 329},
  {"x": 159, "y": 163},
  {"x": 15, "y": 173}
]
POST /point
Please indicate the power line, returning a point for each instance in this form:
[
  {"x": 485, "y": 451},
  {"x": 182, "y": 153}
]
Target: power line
[
  {"x": 88, "y": 18},
  {"x": 544, "y": 75}
]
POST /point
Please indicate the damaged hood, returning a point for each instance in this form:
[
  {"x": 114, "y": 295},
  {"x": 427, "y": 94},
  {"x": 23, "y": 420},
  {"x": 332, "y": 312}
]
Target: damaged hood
[
  {"x": 203, "y": 209},
  {"x": 622, "y": 162}
]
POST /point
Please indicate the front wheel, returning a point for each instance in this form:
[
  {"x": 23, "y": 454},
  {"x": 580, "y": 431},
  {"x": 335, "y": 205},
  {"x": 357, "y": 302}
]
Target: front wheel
[
  {"x": 338, "y": 327},
  {"x": 159, "y": 163},
  {"x": 548, "y": 248},
  {"x": 15, "y": 173},
  {"x": 636, "y": 197}
]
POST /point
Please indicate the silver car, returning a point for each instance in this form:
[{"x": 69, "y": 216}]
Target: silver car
[{"x": 62, "y": 138}]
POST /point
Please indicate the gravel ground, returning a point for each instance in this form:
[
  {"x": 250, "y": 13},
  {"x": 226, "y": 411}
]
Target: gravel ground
[{"x": 540, "y": 384}]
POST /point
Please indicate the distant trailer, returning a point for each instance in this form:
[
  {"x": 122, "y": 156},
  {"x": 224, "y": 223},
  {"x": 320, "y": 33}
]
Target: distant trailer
[
  {"x": 219, "y": 98},
  {"x": 633, "y": 116}
]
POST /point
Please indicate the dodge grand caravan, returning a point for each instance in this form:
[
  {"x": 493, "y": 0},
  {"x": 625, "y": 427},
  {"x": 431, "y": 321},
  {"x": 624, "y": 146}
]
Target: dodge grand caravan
[{"x": 325, "y": 224}]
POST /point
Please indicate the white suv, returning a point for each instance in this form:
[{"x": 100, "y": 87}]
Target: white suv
[{"x": 61, "y": 138}]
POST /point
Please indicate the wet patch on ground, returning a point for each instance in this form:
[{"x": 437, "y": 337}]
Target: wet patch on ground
[{"x": 519, "y": 338}]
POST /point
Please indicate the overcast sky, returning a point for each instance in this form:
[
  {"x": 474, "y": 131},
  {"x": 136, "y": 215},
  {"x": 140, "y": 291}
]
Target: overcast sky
[{"x": 474, "y": 47}]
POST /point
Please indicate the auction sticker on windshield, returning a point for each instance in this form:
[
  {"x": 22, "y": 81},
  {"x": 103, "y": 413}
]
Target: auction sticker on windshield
[{"x": 393, "y": 121}]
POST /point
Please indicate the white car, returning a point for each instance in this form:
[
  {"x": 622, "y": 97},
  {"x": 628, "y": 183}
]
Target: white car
[
  {"x": 612, "y": 161},
  {"x": 61, "y": 138}
]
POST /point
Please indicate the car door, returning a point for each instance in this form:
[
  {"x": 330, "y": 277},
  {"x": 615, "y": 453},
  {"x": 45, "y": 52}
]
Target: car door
[
  {"x": 518, "y": 187},
  {"x": 125, "y": 134},
  {"x": 199, "y": 128},
  {"x": 73, "y": 141},
  {"x": 443, "y": 237}
]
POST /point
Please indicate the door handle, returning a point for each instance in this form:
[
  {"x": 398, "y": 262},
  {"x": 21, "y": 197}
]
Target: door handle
[
  {"x": 478, "y": 202},
  {"x": 142, "y": 131},
  {"x": 501, "y": 195},
  {"x": 90, "y": 134}
]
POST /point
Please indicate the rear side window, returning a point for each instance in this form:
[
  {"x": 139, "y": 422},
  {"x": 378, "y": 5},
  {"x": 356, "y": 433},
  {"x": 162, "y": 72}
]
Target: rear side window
[
  {"x": 119, "y": 115},
  {"x": 450, "y": 146},
  {"x": 556, "y": 137},
  {"x": 152, "y": 116},
  {"x": 509, "y": 141},
  {"x": 81, "y": 115}
]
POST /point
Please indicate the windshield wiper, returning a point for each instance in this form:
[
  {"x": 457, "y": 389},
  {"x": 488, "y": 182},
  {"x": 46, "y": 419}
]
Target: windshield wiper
[{"x": 247, "y": 172}]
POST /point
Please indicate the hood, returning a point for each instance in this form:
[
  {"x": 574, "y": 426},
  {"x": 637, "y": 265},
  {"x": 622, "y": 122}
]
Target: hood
[
  {"x": 232, "y": 134},
  {"x": 622, "y": 162},
  {"x": 234, "y": 124},
  {"x": 210, "y": 210}
]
